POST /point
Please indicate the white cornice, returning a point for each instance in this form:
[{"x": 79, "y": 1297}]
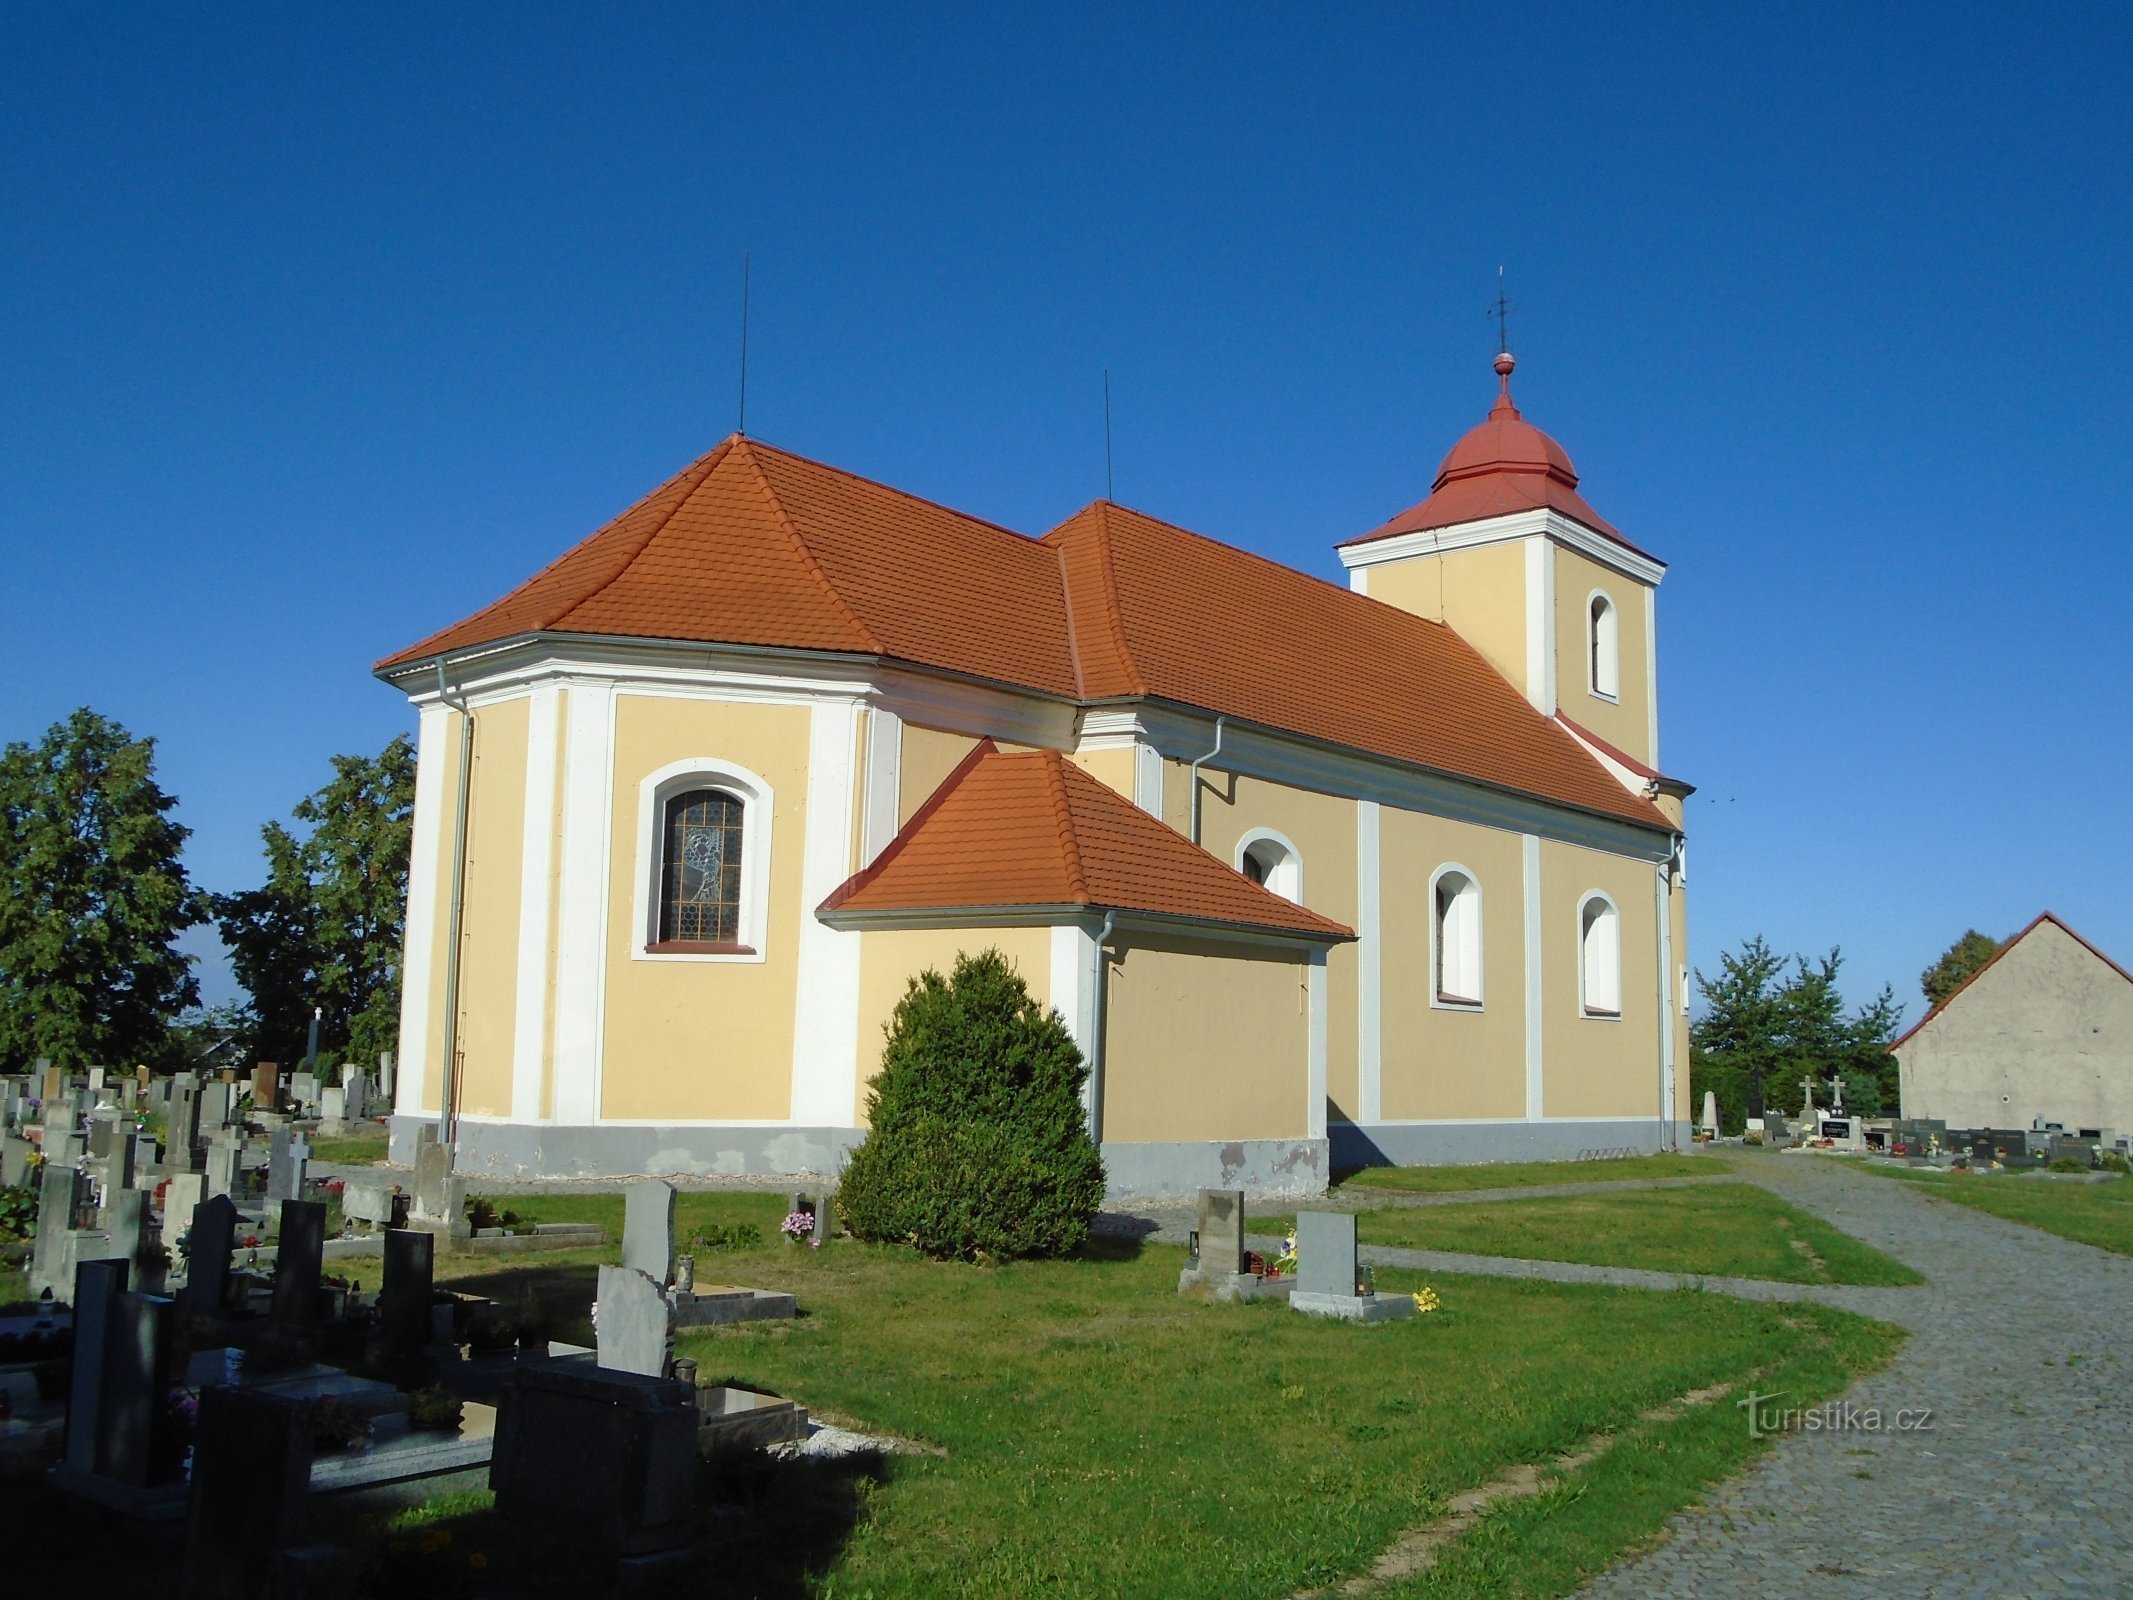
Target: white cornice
[
  {"x": 1142, "y": 922},
  {"x": 1498, "y": 530}
]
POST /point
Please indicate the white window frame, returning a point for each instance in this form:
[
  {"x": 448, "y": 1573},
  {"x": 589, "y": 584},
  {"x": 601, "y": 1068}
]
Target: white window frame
[
  {"x": 1438, "y": 999},
  {"x": 758, "y": 807},
  {"x": 1586, "y": 1008},
  {"x": 1286, "y": 876},
  {"x": 1603, "y": 648}
]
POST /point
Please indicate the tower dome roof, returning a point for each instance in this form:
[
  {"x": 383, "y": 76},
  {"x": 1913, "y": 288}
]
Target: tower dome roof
[{"x": 1502, "y": 466}]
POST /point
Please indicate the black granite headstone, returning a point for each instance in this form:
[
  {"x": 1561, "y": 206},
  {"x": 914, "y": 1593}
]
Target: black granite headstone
[
  {"x": 98, "y": 1286},
  {"x": 207, "y": 1270},
  {"x": 296, "y": 1261},
  {"x": 251, "y": 1485}
]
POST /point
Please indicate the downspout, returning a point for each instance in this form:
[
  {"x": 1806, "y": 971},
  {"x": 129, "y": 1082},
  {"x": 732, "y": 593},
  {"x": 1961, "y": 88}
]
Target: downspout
[
  {"x": 1096, "y": 1031},
  {"x": 448, "y": 1103},
  {"x": 1670, "y": 1066},
  {"x": 1196, "y": 766}
]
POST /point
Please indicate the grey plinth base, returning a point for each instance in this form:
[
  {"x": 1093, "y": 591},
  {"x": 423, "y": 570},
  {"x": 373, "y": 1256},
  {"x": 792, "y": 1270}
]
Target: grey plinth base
[
  {"x": 741, "y": 1419},
  {"x": 1354, "y": 1307},
  {"x": 1230, "y": 1286},
  {"x": 163, "y": 1502},
  {"x": 400, "y": 1456},
  {"x": 709, "y": 1304}
]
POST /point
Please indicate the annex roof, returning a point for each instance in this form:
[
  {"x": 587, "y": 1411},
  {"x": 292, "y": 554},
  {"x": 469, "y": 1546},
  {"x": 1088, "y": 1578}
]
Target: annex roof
[
  {"x": 1032, "y": 831},
  {"x": 2042, "y": 917},
  {"x": 1163, "y": 612},
  {"x": 1502, "y": 466}
]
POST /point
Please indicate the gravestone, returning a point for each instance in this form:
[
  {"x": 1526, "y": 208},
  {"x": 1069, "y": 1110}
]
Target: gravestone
[
  {"x": 332, "y": 1112},
  {"x": 223, "y": 1157},
  {"x": 288, "y": 1163},
  {"x": 296, "y": 1262},
  {"x": 368, "y": 1200},
  {"x": 266, "y": 1086},
  {"x": 62, "y": 1148},
  {"x": 355, "y": 1092},
  {"x": 1221, "y": 1229},
  {"x": 303, "y": 1089},
  {"x": 55, "y": 1081},
  {"x": 97, "y": 1288},
  {"x": 1327, "y": 1275},
  {"x": 385, "y": 1076},
  {"x": 104, "y": 1133},
  {"x": 129, "y": 1094},
  {"x": 403, "y": 1327},
  {"x": 59, "y": 1198},
  {"x": 132, "y": 1228},
  {"x": 825, "y": 1217},
  {"x": 207, "y": 1269},
  {"x": 648, "y": 1229},
  {"x": 182, "y": 1123},
  {"x": 439, "y": 1201},
  {"x": 1709, "y": 1121},
  {"x": 214, "y": 1108},
  {"x": 251, "y": 1488},
  {"x": 632, "y": 1322},
  {"x": 14, "y": 1161},
  {"x": 610, "y": 1456},
  {"x": 136, "y": 1385},
  {"x": 181, "y": 1195}
]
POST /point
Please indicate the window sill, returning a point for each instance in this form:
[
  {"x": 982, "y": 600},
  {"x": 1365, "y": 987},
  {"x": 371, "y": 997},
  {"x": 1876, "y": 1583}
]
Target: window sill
[
  {"x": 697, "y": 947},
  {"x": 1449, "y": 1002},
  {"x": 1602, "y": 694},
  {"x": 1591, "y": 1015}
]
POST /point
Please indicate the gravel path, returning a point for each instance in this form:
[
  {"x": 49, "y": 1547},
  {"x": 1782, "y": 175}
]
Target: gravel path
[{"x": 2019, "y": 1487}]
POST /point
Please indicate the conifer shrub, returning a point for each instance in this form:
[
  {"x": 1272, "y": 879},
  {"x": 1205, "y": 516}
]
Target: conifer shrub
[{"x": 979, "y": 1144}]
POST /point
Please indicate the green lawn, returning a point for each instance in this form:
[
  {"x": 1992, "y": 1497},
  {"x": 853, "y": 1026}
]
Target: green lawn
[
  {"x": 352, "y": 1150},
  {"x": 1534, "y": 1174},
  {"x": 1727, "y": 1230},
  {"x": 1087, "y": 1432},
  {"x": 2100, "y": 1214}
]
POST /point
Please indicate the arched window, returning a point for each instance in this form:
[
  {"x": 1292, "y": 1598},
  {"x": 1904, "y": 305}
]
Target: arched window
[
  {"x": 1271, "y": 861},
  {"x": 1599, "y": 957},
  {"x": 1456, "y": 937},
  {"x": 1605, "y": 644},
  {"x": 703, "y": 856},
  {"x": 700, "y": 853}
]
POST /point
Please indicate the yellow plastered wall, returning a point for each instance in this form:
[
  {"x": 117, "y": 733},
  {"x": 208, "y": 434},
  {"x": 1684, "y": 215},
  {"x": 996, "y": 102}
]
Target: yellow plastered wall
[
  {"x": 1434, "y": 1062},
  {"x": 1322, "y": 827},
  {"x": 488, "y": 974},
  {"x": 1480, "y": 591},
  {"x": 1205, "y": 1040},
  {"x": 703, "y": 1040},
  {"x": 1626, "y": 721},
  {"x": 1113, "y": 767},
  {"x": 890, "y": 958},
  {"x": 929, "y": 755},
  {"x": 1598, "y": 1067}
]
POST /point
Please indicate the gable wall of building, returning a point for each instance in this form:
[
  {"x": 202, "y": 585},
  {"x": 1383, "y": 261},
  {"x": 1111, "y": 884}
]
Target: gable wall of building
[{"x": 2046, "y": 1031}]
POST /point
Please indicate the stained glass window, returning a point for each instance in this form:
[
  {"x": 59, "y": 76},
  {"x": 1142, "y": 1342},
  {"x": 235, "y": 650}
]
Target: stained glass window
[{"x": 700, "y": 869}]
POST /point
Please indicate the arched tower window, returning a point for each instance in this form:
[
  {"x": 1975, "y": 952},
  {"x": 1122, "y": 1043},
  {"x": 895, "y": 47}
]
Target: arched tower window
[
  {"x": 700, "y": 868},
  {"x": 1599, "y": 957},
  {"x": 1456, "y": 937},
  {"x": 1605, "y": 647},
  {"x": 1272, "y": 862}
]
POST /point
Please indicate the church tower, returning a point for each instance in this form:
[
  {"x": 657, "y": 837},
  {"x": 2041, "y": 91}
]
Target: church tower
[{"x": 1508, "y": 552}]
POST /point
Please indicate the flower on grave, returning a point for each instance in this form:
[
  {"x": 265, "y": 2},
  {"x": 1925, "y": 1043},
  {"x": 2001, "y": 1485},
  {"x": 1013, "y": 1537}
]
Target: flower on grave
[
  {"x": 1426, "y": 1300},
  {"x": 814, "y": 1244},
  {"x": 797, "y": 1224}
]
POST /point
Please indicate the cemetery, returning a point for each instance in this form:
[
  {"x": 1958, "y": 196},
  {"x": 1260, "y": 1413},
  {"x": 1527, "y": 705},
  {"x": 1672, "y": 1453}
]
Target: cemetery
[{"x": 228, "y": 1376}]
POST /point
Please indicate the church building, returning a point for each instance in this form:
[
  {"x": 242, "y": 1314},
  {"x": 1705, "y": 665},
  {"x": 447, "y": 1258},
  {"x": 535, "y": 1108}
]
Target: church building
[{"x": 1316, "y": 876}]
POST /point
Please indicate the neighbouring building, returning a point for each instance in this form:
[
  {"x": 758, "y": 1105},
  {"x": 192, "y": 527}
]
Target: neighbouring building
[
  {"x": 2044, "y": 1030},
  {"x": 1315, "y": 875}
]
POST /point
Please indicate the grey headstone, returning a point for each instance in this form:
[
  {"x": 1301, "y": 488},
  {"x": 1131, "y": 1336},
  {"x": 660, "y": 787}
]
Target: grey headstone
[
  {"x": 182, "y": 1121},
  {"x": 648, "y": 1229},
  {"x": 251, "y": 1487},
  {"x": 1325, "y": 1252},
  {"x": 14, "y": 1162},
  {"x": 825, "y": 1214},
  {"x": 433, "y": 1181},
  {"x": 296, "y": 1261},
  {"x": 207, "y": 1273},
  {"x": 404, "y": 1300},
  {"x": 633, "y": 1322},
  {"x": 385, "y": 1076},
  {"x": 96, "y": 1077},
  {"x": 332, "y": 1105},
  {"x": 223, "y": 1157},
  {"x": 180, "y": 1195},
  {"x": 368, "y": 1200},
  {"x": 214, "y": 1108},
  {"x": 96, "y": 1291},
  {"x": 355, "y": 1091},
  {"x": 104, "y": 1131},
  {"x": 63, "y": 1148},
  {"x": 1221, "y": 1225},
  {"x": 59, "y": 1197}
]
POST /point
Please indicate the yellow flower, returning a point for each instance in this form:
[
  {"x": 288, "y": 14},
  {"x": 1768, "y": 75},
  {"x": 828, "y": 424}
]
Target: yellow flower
[{"x": 1426, "y": 1300}]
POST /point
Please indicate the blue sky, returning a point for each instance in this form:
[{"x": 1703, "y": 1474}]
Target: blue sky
[{"x": 319, "y": 331}]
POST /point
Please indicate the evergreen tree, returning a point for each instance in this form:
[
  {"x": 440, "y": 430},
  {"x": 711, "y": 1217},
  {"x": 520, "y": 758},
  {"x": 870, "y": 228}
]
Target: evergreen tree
[
  {"x": 1734, "y": 1047},
  {"x": 1956, "y": 965},
  {"x": 93, "y": 897},
  {"x": 1764, "y": 1029},
  {"x": 978, "y": 1142},
  {"x": 325, "y": 928}
]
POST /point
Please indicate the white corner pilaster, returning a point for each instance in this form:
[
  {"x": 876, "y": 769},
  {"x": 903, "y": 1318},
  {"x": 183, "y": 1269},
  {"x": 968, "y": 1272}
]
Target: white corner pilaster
[
  {"x": 1148, "y": 778},
  {"x": 1651, "y": 675},
  {"x": 825, "y": 1065},
  {"x": 419, "y": 953},
  {"x": 1535, "y": 1099},
  {"x": 1370, "y": 1024},
  {"x": 1315, "y": 1075},
  {"x": 588, "y": 734},
  {"x": 529, "y": 1029},
  {"x": 1073, "y": 992},
  {"x": 1540, "y": 624},
  {"x": 884, "y": 768}
]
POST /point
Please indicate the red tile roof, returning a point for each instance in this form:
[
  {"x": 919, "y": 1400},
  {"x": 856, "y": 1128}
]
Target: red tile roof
[
  {"x": 2042, "y": 917},
  {"x": 1502, "y": 466},
  {"x": 752, "y": 545},
  {"x": 1034, "y": 831},
  {"x": 1160, "y": 611}
]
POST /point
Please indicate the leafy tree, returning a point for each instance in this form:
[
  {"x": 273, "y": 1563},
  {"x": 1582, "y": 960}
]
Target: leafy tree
[
  {"x": 93, "y": 897},
  {"x": 1956, "y": 965},
  {"x": 979, "y": 1144},
  {"x": 325, "y": 928},
  {"x": 1765, "y": 1028}
]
